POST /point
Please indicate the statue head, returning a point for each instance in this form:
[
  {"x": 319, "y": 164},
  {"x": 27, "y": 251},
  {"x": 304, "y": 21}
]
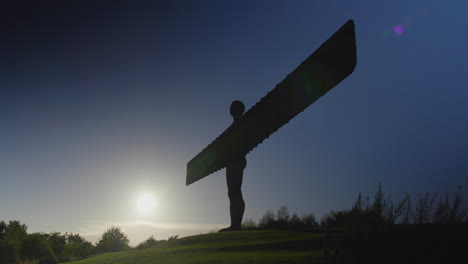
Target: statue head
[{"x": 237, "y": 109}]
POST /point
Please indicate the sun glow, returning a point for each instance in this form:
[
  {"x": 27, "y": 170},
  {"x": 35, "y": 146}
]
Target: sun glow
[{"x": 146, "y": 203}]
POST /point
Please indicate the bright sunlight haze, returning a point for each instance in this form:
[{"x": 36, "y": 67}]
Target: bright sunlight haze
[{"x": 146, "y": 203}]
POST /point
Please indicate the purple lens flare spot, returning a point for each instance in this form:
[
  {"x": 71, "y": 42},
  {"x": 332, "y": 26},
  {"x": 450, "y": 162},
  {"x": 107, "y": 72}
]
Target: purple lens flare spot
[{"x": 398, "y": 29}]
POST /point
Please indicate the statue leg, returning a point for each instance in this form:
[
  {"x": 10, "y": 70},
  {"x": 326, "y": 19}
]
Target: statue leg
[
  {"x": 234, "y": 175},
  {"x": 236, "y": 208}
]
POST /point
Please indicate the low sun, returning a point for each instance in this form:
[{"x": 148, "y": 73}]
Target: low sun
[{"x": 146, "y": 203}]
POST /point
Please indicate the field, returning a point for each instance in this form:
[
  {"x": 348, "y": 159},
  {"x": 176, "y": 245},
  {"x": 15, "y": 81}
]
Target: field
[
  {"x": 278, "y": 246},
  {"x": 426, "y": 243}
]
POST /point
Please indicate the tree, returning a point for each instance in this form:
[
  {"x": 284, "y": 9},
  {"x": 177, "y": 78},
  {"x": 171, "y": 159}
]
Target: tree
[
  {"x": 36, "y": 247},
  {"x": 76, "y": 248},
  {"x": 57, "y": 242},
  {"x": 309, "y": 220},
  {"x": 358, "y": 204},
  {"x": 451, "y": 212},
  {"x": 113, "y": 239},
  {"x": 282, "y": 216},
  {"x": 150, "y": 242},
  {"x": 378, "y": 206},
  {"x": 267, "y": 220},
  {"x": 393, "y": 212},
  {"x": 172, "y": 238},
  {"x": 406, "y": 217},
  {"x": 13, "y": 238},
  {"x": 326, "y": 219},
  {"x": 457, "y": 212},
  {"x": 423, "y": 209},
  {"x": 295, "y": 221},
  {"x": 2, "y": 228},
  {"x": 248, "y": 224}
]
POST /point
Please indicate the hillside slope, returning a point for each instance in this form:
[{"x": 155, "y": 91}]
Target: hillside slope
[{"x": 270, "y": 246}]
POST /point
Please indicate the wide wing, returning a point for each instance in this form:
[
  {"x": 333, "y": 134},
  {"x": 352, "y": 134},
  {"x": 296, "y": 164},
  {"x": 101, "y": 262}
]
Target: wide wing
[{"x": 331, "y": 63}]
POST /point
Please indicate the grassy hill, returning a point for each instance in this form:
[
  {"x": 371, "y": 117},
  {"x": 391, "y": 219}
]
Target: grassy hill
[{"x": 270, "y": 246}]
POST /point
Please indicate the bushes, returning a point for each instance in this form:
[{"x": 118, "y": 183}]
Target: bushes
[
  {"x": 451, "y": 212},
  {"x": 36, "y": 247},
  {"x": 382, "y": 210},
  {"x": 385, "y": 211},
  {"x": 281, "y": 220},
  {"x": 151, "y": 242},
  {"x": 112, "y": 240},
  {"x": 249, "y": 224},
  {"x": 268, "y": 220},
  {"x": 16, "y": 245},
  {"x": 12, "y": 237},
  {"x": 172, "y": 238},
  {"x": 77, "y": 247}
]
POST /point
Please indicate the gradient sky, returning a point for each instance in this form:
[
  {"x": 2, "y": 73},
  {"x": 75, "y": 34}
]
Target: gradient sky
[{"x": 101, "y": 102}]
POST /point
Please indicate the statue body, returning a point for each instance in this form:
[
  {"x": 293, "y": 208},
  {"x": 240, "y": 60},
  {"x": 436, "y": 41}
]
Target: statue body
[
  {"x": 234, "y": 175},
  {"x": 330, "y": 64}
]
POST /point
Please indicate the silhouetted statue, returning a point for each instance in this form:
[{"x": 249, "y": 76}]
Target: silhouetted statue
[
  {"x": 234, "y": 175},
  {"x": 330, "y": 64}
]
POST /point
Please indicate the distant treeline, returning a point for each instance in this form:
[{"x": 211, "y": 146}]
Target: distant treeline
[
  {"x": 17, "y": 246},
  {"x": 427, "y": 208}
]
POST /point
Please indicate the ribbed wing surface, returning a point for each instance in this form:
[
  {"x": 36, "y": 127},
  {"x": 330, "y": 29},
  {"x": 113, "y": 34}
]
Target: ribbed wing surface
[{"x": 324, "y": 69}]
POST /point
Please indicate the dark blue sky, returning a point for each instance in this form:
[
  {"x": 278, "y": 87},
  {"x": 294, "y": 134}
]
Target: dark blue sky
[{"x": 102, "y": 101}]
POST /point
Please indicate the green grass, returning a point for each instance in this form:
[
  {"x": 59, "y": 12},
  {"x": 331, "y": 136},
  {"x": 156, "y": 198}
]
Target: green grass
[{"x": 270, "y": 246}]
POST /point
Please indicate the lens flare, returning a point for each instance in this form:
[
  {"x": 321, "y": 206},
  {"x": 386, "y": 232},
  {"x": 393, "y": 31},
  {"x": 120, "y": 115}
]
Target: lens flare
[{"x": 398, "y": 29}]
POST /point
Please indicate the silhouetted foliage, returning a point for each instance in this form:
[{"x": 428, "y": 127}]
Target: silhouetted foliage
[
  {"x": 384, "y": 211},
  {"x": 451, "y": 212},
  {"x": 282, "y": 216},
  {"x": 2, "y": 228},
  {"x": 16, "y": 246},
  {"x": 249, "y": 224},
  {"x": 406, "y": 216},
  {"x": 395, "y": 211},
  {"x": 324, "y": 220},
  {"x": 13, "y": 235},
  {"x": 378, "y": 206},
  {"x": 295, "y": 221},
  {"x": 309, "y": 221},
  {"x": 112, "y": 240},
  {"x": 358, "y": 204},
  {"x": 172, "y": 238},
  {"x": 57, "y": 243},
  {"x": 423, "y": 209},
  {"x": 76, "y": 247},
  {"x": 283, "y": 220},
  {"x": 150, "y": 242},
  {"x": 267, "y": 220},
  {"x": 36, "y": 247},
  {"x": 381, "y": 211},
  {"x": 367, "y": 233}
]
